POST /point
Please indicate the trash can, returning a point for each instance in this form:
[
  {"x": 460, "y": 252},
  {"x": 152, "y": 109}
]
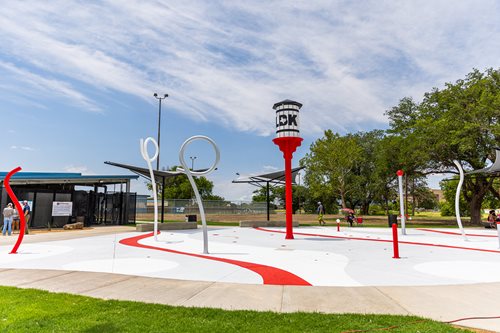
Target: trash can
[
  {"x": 392, "y": 219},
  {"x": 190, "y": 218}
]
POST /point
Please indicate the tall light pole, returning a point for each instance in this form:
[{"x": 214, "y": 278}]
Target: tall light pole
[
  {"x": 159, "y": 123},
  {"x": 192, "y": 162}
]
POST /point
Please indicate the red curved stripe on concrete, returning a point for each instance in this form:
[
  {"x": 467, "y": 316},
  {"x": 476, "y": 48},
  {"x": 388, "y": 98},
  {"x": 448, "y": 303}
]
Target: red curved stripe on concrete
[
  {"x": 383, "y": 240},
  {"x": 18, "y": 207},
  {"x": 455, "y": 233},
  {"x": 270, "y": 275}
]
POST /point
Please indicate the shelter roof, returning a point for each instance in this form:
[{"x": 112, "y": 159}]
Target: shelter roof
[
  {"x": 144, "y": 172},
  {"x": 494, "y": 168},
  {"x": 27, "y": 178},
  {"x": 276, "y": 178}
]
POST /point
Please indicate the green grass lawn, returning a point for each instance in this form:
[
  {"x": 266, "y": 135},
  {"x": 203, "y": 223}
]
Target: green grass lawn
[{"x": 30, "y": 310}]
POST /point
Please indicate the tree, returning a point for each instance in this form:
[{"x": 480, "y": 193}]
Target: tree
[
  {"x": 330, "y": 164},
  {"x": 179, "y": 187},
  {"x": 367, "y": 180},
  {"x": 260, "y": 195},
  {"x": 459, "y": 122}
]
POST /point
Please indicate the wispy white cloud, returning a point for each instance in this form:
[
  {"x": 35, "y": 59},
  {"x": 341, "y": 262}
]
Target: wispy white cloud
[
  {"x": 22, "y": 148},
  {"x": 78, "y": 169},
  {"x": 270, "y": 168},
  {"x": 43, "y": 87},
  {"x": 229, "y": 62}
]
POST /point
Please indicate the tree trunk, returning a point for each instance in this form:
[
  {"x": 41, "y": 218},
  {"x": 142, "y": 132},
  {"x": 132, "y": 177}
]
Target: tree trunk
[
  {"x": 475, "y": 210},
  {"x": 342, "y": 199},
  {"x": 406, "y": 193},
  {"x": 413, "y": 198},
  {"x": 478, "y": 190},
  {"x": 365, "y": 206}
]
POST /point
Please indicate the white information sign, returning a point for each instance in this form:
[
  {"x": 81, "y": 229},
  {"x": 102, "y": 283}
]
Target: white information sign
[{"x": 62, "y": 208}]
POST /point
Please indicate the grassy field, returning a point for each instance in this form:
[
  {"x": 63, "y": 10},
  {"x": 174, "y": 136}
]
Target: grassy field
[{"x": 30, "y": 310}]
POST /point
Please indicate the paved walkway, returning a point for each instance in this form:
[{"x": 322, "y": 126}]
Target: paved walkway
[{"x": 440, "y": 302}]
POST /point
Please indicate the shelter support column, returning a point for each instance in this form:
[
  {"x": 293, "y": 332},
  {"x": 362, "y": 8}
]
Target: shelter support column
[
  {"x": 162, "y": 199},
  {"x": 267, "y": 199}
]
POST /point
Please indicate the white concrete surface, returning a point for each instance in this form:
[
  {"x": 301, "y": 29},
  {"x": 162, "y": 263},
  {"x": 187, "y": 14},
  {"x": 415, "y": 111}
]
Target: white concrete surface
[{"x": 440, "y": 275}]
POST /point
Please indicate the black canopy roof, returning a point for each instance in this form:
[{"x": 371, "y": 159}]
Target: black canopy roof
[
  {"x": 144, "y": 172},
  {"x": 276, "y": 178}
]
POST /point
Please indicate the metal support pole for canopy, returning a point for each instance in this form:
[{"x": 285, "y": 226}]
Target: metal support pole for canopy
[
  {"x": 162, "y": 198},
  {"x": 267, "y": 199}
]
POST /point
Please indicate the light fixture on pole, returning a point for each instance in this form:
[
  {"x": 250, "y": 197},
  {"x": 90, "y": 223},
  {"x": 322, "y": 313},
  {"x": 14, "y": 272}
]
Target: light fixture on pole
[
  {"x": 159, "y": 124},
  {"x": 192, "y": 161},
  {"x": 288, "y": 139}
]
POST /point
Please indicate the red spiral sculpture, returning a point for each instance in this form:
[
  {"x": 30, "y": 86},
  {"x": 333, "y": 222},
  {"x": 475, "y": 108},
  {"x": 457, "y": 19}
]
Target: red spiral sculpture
[{"x": 18, "y": 207}]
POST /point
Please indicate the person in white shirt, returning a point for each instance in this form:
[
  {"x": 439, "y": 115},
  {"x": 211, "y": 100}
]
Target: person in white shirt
[{"x": 8, "y": 213}]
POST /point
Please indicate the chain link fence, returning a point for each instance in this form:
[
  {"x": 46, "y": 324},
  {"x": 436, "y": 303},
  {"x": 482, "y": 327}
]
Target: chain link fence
[{"x": 145, "y": 207}]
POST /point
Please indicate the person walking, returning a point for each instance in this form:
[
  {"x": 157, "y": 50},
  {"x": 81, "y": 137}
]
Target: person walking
[
  {"x": 351, "y": 218},
  {"x": 26, "y": 212},
  {"x": 8, "y": 212},
  {"x": 321, "y": 211}
]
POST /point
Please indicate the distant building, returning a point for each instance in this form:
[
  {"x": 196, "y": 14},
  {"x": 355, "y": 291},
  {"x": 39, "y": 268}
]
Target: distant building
[{"x": 439, "y": 194}]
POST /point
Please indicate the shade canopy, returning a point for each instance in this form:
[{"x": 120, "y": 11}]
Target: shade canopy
[
  {"x": 144, "y": 172},
  {"x": 276, "y": 178},
  {"x": 492, "y": 169}
]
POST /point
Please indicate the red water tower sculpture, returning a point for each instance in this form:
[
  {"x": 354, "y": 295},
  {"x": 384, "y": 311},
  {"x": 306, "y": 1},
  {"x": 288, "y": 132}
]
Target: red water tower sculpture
[{"x": 288, "y": 139}]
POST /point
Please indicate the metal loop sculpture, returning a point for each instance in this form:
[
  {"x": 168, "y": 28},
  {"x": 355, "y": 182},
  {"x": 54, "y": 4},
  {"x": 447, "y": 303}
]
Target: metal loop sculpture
[
  {"x": 457, "y": 198},
  {"x": 148, "y": 159},
  {"x": 190, "y": 173}
]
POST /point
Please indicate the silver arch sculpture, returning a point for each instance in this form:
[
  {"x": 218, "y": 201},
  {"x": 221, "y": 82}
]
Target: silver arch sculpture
[
  {"x": 190, "y": 173},
  {"x": 457, "y": 197},
  {"x": 149, "y": 160},
  {"x": 492, "y": 169}
]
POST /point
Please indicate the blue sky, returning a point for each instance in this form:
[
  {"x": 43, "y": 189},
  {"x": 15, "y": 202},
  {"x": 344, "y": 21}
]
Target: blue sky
[{"x": 77, "y": 77}]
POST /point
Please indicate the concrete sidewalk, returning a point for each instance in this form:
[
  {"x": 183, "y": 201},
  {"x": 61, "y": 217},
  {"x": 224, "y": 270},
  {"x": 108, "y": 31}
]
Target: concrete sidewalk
[{"x": 442, "y": 303}]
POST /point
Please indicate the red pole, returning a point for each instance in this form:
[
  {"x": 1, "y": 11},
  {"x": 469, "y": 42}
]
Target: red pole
[
  {"x": 288, "y": 194},
  {"x": 338, "y": 225},
  {"x": 288, "y": 145},
  {"x": 498, "y": 231},
  {"x": 395, "y": 240}
]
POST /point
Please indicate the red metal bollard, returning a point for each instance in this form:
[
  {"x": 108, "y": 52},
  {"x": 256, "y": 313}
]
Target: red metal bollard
[
  {"x": 395, "y": 240},
  {"x": 498, "y": 230},
  {"x": 338, "y": 225}
]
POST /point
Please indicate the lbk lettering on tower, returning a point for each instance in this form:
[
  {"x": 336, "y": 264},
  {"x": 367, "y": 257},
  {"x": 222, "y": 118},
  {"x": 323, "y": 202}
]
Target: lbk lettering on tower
[{"x": 287, "y": 118}]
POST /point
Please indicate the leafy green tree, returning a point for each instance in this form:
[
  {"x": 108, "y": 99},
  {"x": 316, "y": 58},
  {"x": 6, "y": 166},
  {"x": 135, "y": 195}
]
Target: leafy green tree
[
  {"x": 424, "y": 198},
  {"x": 447, "y": 208},
  {"x": 330, "y": 165},
  {"x": 367, "y": 182},
  {"x": 459, "y": 122},
  {"x": 387, "y": 163},
  {"x": 179, "y": 187},
  {"x": 260, "y": 195},
  {"x": 411, "y": 154}
]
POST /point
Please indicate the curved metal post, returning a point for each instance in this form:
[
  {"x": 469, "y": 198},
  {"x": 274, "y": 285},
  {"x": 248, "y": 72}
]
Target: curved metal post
[
  {"x": 145, "y": 156},
  {"x": 457, "y": 197},
  {"x": 401, "y": 202},
  {"x": 190, "y": 173}
]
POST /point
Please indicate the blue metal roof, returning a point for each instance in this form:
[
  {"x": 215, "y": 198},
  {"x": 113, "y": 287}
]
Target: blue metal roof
[{"x": 61, "y": 176}]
